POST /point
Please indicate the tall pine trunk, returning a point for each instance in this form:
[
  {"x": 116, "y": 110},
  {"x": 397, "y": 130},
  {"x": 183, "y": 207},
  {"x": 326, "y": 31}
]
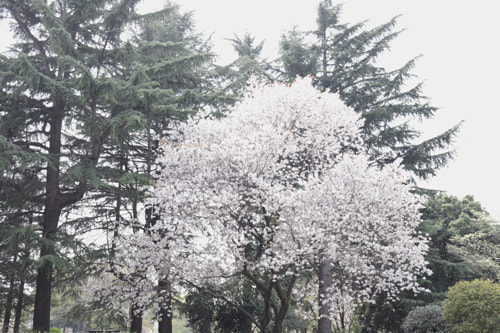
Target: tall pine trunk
[
  {"x": 51, "y": 214},
  {"x": 8, "y": 304},
  {"x": 19, "y": 306}
]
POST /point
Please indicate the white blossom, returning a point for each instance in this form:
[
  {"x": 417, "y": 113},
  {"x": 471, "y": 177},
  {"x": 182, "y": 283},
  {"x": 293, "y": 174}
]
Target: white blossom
[{"x": 279, "y": 180}]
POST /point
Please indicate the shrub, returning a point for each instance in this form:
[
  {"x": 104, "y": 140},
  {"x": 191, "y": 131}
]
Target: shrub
[
  {"x": 425, "y": 319},
  {"x": 473, "y": 306}
]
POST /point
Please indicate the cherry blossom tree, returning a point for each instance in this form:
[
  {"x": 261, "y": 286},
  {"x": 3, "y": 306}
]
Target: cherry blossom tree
[{"x": 267, "y": 191}]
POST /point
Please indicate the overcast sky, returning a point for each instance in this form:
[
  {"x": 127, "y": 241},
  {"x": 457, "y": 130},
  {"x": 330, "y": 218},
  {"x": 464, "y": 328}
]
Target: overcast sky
[{"x": 458, "y": 42}]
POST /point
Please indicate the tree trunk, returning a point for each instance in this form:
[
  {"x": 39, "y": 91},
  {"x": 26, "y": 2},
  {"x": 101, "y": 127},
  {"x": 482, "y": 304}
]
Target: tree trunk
[
  {"x": 325, "y": 283},
  {"x": 136, "y": 324},
  {"x": 41, "y": 315},
  {"x": 246, "y": 324},
  {"x": 165, "y": 323},
  {"x": 8, "y": 304},
  {"x": 51, "y": 214},
  {"x": 279, "y": 320},
  {"x": 19, "y": 306}
]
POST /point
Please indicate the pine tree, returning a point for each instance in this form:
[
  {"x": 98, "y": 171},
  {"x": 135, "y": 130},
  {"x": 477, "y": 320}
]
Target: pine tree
[
  {"x": 249, "y": 63},
  {"x": 344, "y": 59},
  {"x": 62, "y": 102}
]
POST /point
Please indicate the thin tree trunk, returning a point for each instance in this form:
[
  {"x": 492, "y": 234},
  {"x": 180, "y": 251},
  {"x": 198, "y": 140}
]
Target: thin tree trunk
[
  {"x": 136, "y": 324},
  {"x": 246, "y": 321},
  {"x": 19, "y": 306},
  {"x": 8, "y": 304},
  {"x": 325, "y": 284},
  {"x": 279, "y": 320},
  {"x": 165, "y": 323},
  {"x": 284, "y": 298}
]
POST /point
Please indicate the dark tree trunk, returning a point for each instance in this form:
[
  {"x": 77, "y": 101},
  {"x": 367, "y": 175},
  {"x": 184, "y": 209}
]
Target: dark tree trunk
[
  {"x": 51, "y": 214},
  {"x": 41, "y": 316},
  {"x": 165, "y": 323},
  {"x": 8, "y": 304},
  {"x": 279, "y": 320},
  {"x": 281, "y": 311},
  {"x": 246, "y": 324},
  {"x": 136, "y": 324},
  {"x": 325, "y": 283},
  {"x": 19, "y": 306}
]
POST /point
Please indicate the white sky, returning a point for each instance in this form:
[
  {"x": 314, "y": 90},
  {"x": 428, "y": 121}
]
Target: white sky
[{"x": 460, "y": 65}]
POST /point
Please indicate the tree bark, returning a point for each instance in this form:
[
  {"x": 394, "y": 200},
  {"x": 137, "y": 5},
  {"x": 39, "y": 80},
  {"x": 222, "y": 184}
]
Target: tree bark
[
  {"x": 41, "y": 316},
  {"x": 19, "y": 306},
  {"x": 246, "y": 324},
  {"x": 325, "y": 283},
  {"x": 51, "y": 214},
  {"x": 8, "y": 304},
  {"x": 136, "y": 324},
  {"x": 165, "y": 322}
]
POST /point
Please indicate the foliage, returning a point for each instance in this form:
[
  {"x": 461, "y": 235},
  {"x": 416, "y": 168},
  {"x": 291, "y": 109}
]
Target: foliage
[
  {"x": 70, "y": 310},
  {"x": 425, "y": 319},
  {"x": 473, "y": 306},
  {"x": 298, "y": 59},
  {"x": 463, "y": 242},
  {"x": 236, "y": 75},
  {"x": 462, "y": 246}
]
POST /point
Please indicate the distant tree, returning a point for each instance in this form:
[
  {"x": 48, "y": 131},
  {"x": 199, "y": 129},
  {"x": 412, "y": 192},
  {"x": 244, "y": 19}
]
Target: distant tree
[
  {"x": 235, "y": 76},
  {"x": 458, "y": 229},
  {"x": 297, "y": 58},
  {"x": 473, "y": 306},
  {"x": 425, "y": 319}
]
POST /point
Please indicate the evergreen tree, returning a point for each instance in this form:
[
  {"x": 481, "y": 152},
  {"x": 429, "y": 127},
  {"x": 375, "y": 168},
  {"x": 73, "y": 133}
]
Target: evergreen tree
[
  {"x": 297, "y": 57},
  {"x": 344, "y": 59},
  {"x": 64, "y": 96},
  {"x": 249, "y": 63}
]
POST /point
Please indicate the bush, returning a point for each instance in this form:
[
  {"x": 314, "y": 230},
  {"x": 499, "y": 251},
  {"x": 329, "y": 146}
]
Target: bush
[
  {"x": 473, "y": 306},
  {"x": 425, "y": 319}
]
